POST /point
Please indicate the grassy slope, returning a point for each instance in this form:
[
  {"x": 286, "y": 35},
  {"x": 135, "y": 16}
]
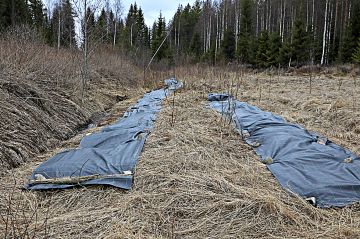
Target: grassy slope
[{"x": 40, "y": 103}]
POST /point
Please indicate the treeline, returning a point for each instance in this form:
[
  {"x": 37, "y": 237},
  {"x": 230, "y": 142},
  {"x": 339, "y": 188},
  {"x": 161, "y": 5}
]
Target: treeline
[
  {"x": 59, "y": 29},
  {"x": 101, "y": 24},
  {"x": 268, "y": 32},
  {"x": 262, "y": 33},
  {"x": 56, "y": 25}
]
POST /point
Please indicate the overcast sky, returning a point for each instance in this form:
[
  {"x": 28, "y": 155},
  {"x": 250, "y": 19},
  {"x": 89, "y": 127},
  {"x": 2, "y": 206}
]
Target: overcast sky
[{"x": 152, "y": 8}]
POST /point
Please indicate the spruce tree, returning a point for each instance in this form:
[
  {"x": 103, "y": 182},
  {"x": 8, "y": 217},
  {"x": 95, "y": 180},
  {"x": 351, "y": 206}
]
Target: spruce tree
[
  {"x": 347, "y": 46},
  {"x": 37, "y": 14},
  {"x": 14, "y": 12},
  {"x": 273, "y": 51},
  {"x": 141, "y": 29},
  {"x": 262, "y": 50},
  {"x": 356, "y": 55},
  {"x": 285, "y": 53},
  {"x": 300, "y": 54},
  {"x": 228, "y": 45},
  {"x": 130, "y": 28},
  {"x": 244, "y": 44},
  {"x": 355, "y": 19},
  {"x": 101, "y": 27},
  {"x": 68, "y": 25},
  {"x": 159, "y": 34},
  {"x": 195, "y": 47}
]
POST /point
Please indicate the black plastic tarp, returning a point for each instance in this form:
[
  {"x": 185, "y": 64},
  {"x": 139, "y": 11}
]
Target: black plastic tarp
[
  {"x": 108, "y": 157},
  {"x": 304, "y": 162}
]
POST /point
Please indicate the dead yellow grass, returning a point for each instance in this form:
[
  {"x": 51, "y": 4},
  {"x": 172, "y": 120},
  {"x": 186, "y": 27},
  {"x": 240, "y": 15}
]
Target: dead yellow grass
[{"x": 195, "y": 179}]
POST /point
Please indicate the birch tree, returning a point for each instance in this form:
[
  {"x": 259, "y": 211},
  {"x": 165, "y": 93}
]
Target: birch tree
[{"x": 325, "y": 33}]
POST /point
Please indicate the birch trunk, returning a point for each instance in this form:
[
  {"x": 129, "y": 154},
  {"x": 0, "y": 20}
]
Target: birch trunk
[
  {"x": 283, "y": 22},
  {"x": 336, "y": 20},
  {"x": 257, "y": 18},
  {"x": 85, "y": 54},
  {"x": 324, "y": 35},
  {"x": 59, "y": 29}
]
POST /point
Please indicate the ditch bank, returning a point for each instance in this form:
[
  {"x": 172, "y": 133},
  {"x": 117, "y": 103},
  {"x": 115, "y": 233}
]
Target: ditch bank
[{"x": 36, "y": 115}]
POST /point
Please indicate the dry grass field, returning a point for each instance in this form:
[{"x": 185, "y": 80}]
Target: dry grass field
[{"x": 196, "y": 178}]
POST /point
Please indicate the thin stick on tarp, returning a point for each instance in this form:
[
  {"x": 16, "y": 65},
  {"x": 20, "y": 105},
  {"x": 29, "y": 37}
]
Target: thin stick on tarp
[{"x": 75, "y": 180}]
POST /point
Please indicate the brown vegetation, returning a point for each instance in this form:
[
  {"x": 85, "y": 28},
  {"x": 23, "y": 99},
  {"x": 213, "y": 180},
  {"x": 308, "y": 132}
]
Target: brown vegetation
[
  {"x": 40, "y": 99},
  {"x": 196, "y": 178}
]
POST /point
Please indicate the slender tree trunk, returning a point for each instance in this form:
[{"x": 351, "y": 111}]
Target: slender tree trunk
[
  {"x": 313, "y": 18},
  {"x": 209, "y": 34},
  {"x": 307, "y": 15},
  {"x": 179, "y": 34},
  {"x": 115, "y": 31},
  {"x": 279, "y": 18},
  {"x": 330, "y": 32},
  {"x": 335, "y": 23},
  {"x": 59, "y": 29},
  {"x": 324, "y": 35},
  {"x": 346, "y": 13},
  {"x": 270, "y": 16},
  {"x": 217, "y": 34},
  {"x": 204, "y": 30},
  {"x": 131, "y": 34},
  {"x": 236, "y": 25},
  {"x": 85, "y": 54},
  {"x": 257, "y": 19},
  {"x": 223, "y": 23},
  {"x": 283, "y": 22}
]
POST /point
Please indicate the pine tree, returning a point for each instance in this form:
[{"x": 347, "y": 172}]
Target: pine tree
[
  {"x": 228, "y": 45},
  {"x": 262, "y": 50},
  {"x": 356, "y": 55}
]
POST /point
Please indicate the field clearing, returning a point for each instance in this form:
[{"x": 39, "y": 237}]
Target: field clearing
[{"x": 196, "y": 178}]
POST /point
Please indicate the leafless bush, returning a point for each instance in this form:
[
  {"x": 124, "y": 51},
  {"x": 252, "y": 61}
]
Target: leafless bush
[{"x": 27, "y": 218}]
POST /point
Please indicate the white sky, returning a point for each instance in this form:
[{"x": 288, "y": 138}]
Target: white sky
[{"x": 152, "y": 8}]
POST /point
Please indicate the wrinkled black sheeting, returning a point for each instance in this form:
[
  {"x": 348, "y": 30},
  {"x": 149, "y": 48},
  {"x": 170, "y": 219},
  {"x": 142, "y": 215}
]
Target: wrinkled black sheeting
[
  {"x": 299, "y": 162},
  {"x": 115, "y": 150}
]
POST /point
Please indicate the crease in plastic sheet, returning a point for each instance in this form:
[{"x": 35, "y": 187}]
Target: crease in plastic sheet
[
  {"x": 303, "y": 162},
  {"x": 110, "y": 156}
]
